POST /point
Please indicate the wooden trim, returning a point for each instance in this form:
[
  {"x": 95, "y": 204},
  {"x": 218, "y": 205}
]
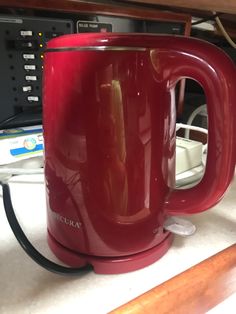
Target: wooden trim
[
  {"x": 196, "y": 290},
  {"x": 228, "y": 6},
  {"x": 125, "y": 10}
]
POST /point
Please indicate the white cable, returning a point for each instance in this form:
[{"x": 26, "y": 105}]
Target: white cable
[
  {"x": 191, "y": 127},
  {"x": 17, "y": 171},
  {"x": 197, "y": 111},
  {"x": 224, "y": 32}
]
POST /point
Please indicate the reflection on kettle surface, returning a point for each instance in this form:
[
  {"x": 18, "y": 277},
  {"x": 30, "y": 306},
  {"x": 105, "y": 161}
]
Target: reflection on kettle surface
[
  {"x": 113, "y": 184},
  {"x": 124, "y": 190}
]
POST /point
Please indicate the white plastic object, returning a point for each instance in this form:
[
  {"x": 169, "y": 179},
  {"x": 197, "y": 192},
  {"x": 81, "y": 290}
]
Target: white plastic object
[
  {"x": 188, "y": 154},
  {"x": 20, "y": 143},
  {"x": 180, "y": 226}
]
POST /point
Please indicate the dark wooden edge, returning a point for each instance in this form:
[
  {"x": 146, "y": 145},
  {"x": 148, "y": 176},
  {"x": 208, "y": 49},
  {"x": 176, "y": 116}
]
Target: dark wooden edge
[
  {"x": 206, "y": 5},
  {"x": 196, "y": 290},
  {"x": 99, "y": 8}
]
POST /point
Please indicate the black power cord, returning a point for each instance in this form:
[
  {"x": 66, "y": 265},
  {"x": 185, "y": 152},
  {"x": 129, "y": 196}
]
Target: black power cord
[{"x": 27, "y": 246}]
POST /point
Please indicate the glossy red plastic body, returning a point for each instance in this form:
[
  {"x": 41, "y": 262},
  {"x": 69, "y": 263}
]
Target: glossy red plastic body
[{"x": 109, "y": 131}]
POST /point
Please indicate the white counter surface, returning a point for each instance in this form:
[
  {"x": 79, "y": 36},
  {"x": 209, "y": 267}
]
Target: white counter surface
[{"x": 26, "y": 288}]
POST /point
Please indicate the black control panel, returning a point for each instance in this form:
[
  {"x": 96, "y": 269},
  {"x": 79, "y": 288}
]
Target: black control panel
[{"x": 23, "y": 39}]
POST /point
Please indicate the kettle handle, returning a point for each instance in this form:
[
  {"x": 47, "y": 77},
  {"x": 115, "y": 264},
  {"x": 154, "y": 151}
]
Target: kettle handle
[{"x": 216, "y": 73}]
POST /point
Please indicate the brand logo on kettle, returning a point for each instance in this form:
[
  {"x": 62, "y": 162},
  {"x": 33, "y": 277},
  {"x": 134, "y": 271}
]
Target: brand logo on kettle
[{"x": 66, "y": 221}]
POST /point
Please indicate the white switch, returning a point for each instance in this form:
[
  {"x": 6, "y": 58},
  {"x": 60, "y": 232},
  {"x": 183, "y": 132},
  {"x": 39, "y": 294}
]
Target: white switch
[
  {"x": 33, "y": 98},
  {"x": 26, "y": 33},
  {"x": 28, "y": 56},
  {"x": 31, "y": 67},
  {"x": 27, "y": 88},
  {"x": 31, "y": 78}
]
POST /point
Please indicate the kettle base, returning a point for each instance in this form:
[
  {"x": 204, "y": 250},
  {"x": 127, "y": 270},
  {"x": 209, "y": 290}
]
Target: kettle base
[{"x": 110, "y": 265}]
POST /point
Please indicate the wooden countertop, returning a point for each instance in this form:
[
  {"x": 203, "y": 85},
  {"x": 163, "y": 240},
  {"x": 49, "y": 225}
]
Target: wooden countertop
[{"x": 196, "y": 290}]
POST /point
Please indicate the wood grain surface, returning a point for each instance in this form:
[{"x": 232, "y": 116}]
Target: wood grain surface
[
  {"x": 194, "y": 291},
  {"x": 228, "y": 6},
  {"x": 107, "y": 8}
]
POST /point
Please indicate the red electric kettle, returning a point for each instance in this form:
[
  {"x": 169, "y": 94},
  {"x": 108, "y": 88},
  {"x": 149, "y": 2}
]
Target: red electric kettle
[{"x": 109, "y": 130}]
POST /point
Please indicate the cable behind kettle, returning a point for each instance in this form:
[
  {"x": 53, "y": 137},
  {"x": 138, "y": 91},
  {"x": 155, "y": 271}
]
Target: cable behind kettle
[{"x": 26, "y": 244}]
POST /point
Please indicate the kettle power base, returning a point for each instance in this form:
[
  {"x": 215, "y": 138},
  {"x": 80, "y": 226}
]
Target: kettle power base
[{"x": 110, "y": 265}]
